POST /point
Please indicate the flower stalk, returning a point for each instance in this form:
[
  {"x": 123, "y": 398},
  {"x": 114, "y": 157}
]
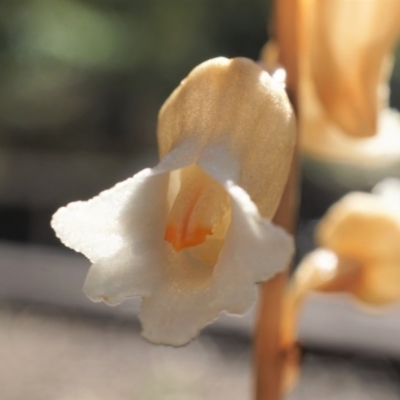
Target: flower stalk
[{"x": 271, "y": 359}]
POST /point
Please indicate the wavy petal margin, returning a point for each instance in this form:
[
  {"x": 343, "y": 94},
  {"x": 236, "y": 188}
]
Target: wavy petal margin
[{"x": 121, "y": 231}]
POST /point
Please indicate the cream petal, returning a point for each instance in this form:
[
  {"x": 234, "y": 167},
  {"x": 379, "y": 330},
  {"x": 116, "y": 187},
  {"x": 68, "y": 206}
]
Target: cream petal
[
  {"x": 181, "y": 156},
  {"x": 254, "y": 251},
  {"x": 186, "y": 301},
  {"x": 124, "y": 275},
  {"x": 135, "y": 269},
  {"x": 94, "y": 227},
  {"x": 174, "y": 317},
  {"x": 121, "y": 231},
  {"x": 220, "y": 163}
]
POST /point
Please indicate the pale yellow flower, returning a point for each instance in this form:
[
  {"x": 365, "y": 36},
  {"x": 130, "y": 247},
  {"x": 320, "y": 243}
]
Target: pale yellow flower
[
  {"x": 359, "y": 248},
  {"x": 344, "y": 66},
  {"x": 193, "y": 235},
  {"x": 358, "y": 254},
  {"x": 349, "y": 43},
  {"x": 365, "y": 230},
  {"x": 338, "y": 57}
]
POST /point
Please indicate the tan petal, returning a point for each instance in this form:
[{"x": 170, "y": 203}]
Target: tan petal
[
  {"x": 380, "y": 283},
  {"x": 322, "y": 270},
  {"x": 361, "y": 227},
  {"x": 365, "y": 229},
  {"x": 236, "y": 103},
  {"x": 350, "y": 42}
]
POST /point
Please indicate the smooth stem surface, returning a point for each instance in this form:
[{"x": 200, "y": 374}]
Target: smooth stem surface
[{"x": 268, "y": 354}]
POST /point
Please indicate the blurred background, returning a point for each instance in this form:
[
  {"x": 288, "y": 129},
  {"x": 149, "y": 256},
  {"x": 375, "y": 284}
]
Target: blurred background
[{"x": 81, "y": 83}]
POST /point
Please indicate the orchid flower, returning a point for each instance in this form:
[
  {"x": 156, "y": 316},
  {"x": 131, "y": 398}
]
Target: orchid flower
[
  {"x": 339, "y": 51},
  {"x": 193, "y": 235},
  {"x": 364, "y": 230},
  {"x": 345, "y": 65},
  {"x": 350, "y": 57},
  {"x": 358, "y": 254},
  {"x": 359, "y": 251}
]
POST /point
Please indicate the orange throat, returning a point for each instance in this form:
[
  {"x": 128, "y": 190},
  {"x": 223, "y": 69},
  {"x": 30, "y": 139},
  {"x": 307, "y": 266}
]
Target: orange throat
[{"x": 197, "y": 209}]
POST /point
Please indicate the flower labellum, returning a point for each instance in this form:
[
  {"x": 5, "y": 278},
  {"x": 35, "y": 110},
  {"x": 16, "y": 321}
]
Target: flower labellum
[
  {"x": 359, "y": 251},
  {"x": 364, "y": 229},
  {"x": 193, "y": 235},
  {"x": 359, "y": 255}
]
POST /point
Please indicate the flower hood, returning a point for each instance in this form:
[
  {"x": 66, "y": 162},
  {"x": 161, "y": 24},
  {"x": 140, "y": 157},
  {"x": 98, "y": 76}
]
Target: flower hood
[
  {"x": 350, "y": 48},
  {"x": 192, "y": 235},
  {"x": 338, "y": 55}
]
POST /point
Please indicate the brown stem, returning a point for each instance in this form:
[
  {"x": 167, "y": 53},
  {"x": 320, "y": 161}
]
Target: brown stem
[{"x": 269, "y": 356}]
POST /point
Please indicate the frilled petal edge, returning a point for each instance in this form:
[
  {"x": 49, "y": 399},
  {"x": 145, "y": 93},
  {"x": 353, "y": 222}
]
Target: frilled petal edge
[
  {"x": 122, "y": 232},
  {"x": 254, "y": 250}
]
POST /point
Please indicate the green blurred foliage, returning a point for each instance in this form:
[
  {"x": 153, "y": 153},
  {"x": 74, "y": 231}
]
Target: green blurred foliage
[{"x": 92, "y": 74}]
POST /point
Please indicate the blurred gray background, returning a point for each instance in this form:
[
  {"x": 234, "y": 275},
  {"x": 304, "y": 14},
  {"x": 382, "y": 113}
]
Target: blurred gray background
[{"x": 81, "y": 83}]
